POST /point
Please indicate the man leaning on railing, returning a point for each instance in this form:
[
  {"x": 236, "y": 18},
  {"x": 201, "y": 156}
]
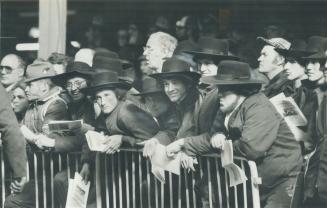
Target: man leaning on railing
[
  {"x": 257, "y": 131},
  {"x": 13, "y": 142}
]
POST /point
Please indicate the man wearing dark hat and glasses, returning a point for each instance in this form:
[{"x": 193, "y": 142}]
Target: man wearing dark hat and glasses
[
  {"x": 257, "y": 131},
  {"x": 76, "y": 78}
]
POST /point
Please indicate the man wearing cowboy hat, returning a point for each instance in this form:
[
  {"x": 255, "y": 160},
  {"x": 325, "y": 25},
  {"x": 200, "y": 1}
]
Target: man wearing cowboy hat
[
  {"x": 123, "y": 122},
  {"x": 271, "y": 64},
  {"x": 257, "y": 131},
  {"x": 45, "y": 106},
  {"x": 80, "y": 107},
  {"x": 209, "y": 53},
  {"x": 315, "y": 193}
]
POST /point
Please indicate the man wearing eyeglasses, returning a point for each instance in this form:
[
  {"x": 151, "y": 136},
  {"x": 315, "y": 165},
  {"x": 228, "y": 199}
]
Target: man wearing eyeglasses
[{"x": 12, "y": 69}]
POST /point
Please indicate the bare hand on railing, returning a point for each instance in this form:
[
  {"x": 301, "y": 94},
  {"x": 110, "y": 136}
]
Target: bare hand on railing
[
  {"x": 188, "y": 162},
  {"x": 17, "y": 185},
  {"x": 149, "y": 147},
  {"x": 85, "y": 172},
  {"x": 113, "y": 143},
  {"x": 217, "y": 141},
  {"x": 174, "y": 147},
  {"x": 42, "y": 142}
]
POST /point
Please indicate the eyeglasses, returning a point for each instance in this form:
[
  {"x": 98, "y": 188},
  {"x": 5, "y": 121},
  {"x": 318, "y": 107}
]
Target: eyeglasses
[
  {"x": 77, "y": 84},
  {"x": 7, "y": 69}
]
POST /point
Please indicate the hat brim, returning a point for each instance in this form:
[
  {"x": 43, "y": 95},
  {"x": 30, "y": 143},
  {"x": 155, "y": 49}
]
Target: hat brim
[
  {"x": 316, "y": 56},
  {"x": 293, "y": 53},
  {"x": 193, "y": 75},
  {"x": 217, "y": 57},
  {"x": 60, "y": 79},
  {"x": 147, "y": 93},
  {"x": 113, "y": 85},
  {"x": 213, "y": 80},
  {"x": 37, "y": 78}
]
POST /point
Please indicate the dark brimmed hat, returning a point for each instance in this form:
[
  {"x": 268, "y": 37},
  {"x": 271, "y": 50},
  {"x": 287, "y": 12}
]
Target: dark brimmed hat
[
  {"x": 103, "y": 52},
  {"x": 215, "y": 49},
  {"x": 185, "y": 45},
  {"x": 174, "y": 67},
  {"x": 39, "y": 70},
  {"x": 316, "y": 45},
  {"x": 149, "y": 86},
  {"x": 105, "y": 80},
  {"x": 296, "y": 51},
  {"x": 102, "y": 63},
  {"x": 74, "y": 69},
  {"x": 232, "y": 73}
]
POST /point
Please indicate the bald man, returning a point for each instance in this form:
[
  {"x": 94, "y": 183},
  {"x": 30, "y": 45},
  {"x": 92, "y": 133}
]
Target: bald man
[{"x": 12, "y": 69}]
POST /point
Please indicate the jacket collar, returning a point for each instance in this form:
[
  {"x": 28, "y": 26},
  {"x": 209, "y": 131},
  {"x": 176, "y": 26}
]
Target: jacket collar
[{"x": 55, "y": 91}]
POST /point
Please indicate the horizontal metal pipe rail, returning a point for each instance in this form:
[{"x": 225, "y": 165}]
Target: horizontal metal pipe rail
[{"x": 124, "y": 180}]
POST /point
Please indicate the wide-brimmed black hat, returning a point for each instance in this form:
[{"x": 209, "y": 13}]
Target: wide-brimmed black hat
[
  {"x": 212, "y": 48},
  {"x": 174, "y": 67},
  {"x": 105, "y": 80},
  {"x": 74, "y": 69},
  {"x": 316, "y": 45},
  {"x": 185, "y": 45},
  {"x": 296, "y": 51},
  {"x": 232, "y": 73},
  {"x": 149, "y": 86}
]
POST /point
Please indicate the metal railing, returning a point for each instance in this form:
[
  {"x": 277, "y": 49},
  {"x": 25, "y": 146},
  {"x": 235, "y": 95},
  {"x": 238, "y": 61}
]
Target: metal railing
[{"x": 124, "y": 180}]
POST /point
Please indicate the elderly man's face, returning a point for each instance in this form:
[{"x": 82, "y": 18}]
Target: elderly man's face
[
  {"x": 74, "y": 86},
  {"x": 36, "y": 89},
  {"x": 207, "y": 67},
  {"x": 313, "y": 71},
  {"x": 19, "y": 100},
  {"x": 268, "y": 60},
  {"x": 107, "y": 100},
  {"x": 11, "y": 70},
  {"x": 175, "y": 89},
  {"x": 153, "y": 53},
  {"x": 294, "y": 70}
]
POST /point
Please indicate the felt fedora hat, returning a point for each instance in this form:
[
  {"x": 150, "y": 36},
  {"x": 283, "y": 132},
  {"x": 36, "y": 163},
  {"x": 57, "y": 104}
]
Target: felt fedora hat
[
  {"x": 232, "y": 73},
  {"x": 173, "y": 67},
  {"x": 74, "y": 69},
  {"x": 318, "y": 46},
  {"x": 39, "y": 70},
  {"x": 105, "y": 80},
  {"x": 103, "y": 52},
  {"x": 296, "y": 51},
  {"x": 212, "y": 48},
  {"x": 149, "y": 86}
]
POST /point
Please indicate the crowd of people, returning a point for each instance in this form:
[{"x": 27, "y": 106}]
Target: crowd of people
[{"x": 189, "y": 91}]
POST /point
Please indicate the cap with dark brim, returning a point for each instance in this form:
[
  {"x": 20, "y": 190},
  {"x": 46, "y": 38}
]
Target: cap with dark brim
[
  {"x": 213, "y": 80},
  {"x": 316, "y": 56},
  {"x": 293, "y": 53}
]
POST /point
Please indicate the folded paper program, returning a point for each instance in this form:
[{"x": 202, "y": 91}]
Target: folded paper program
[
  {"x": 161, "y": 162},
  {"x": 78, "y": 192},
  {"x": 291, "y": 113},
  {"x": 235, "y": 173},
  {"x": 95, "y": 140},
  {"x": 60, "y": 126}
]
